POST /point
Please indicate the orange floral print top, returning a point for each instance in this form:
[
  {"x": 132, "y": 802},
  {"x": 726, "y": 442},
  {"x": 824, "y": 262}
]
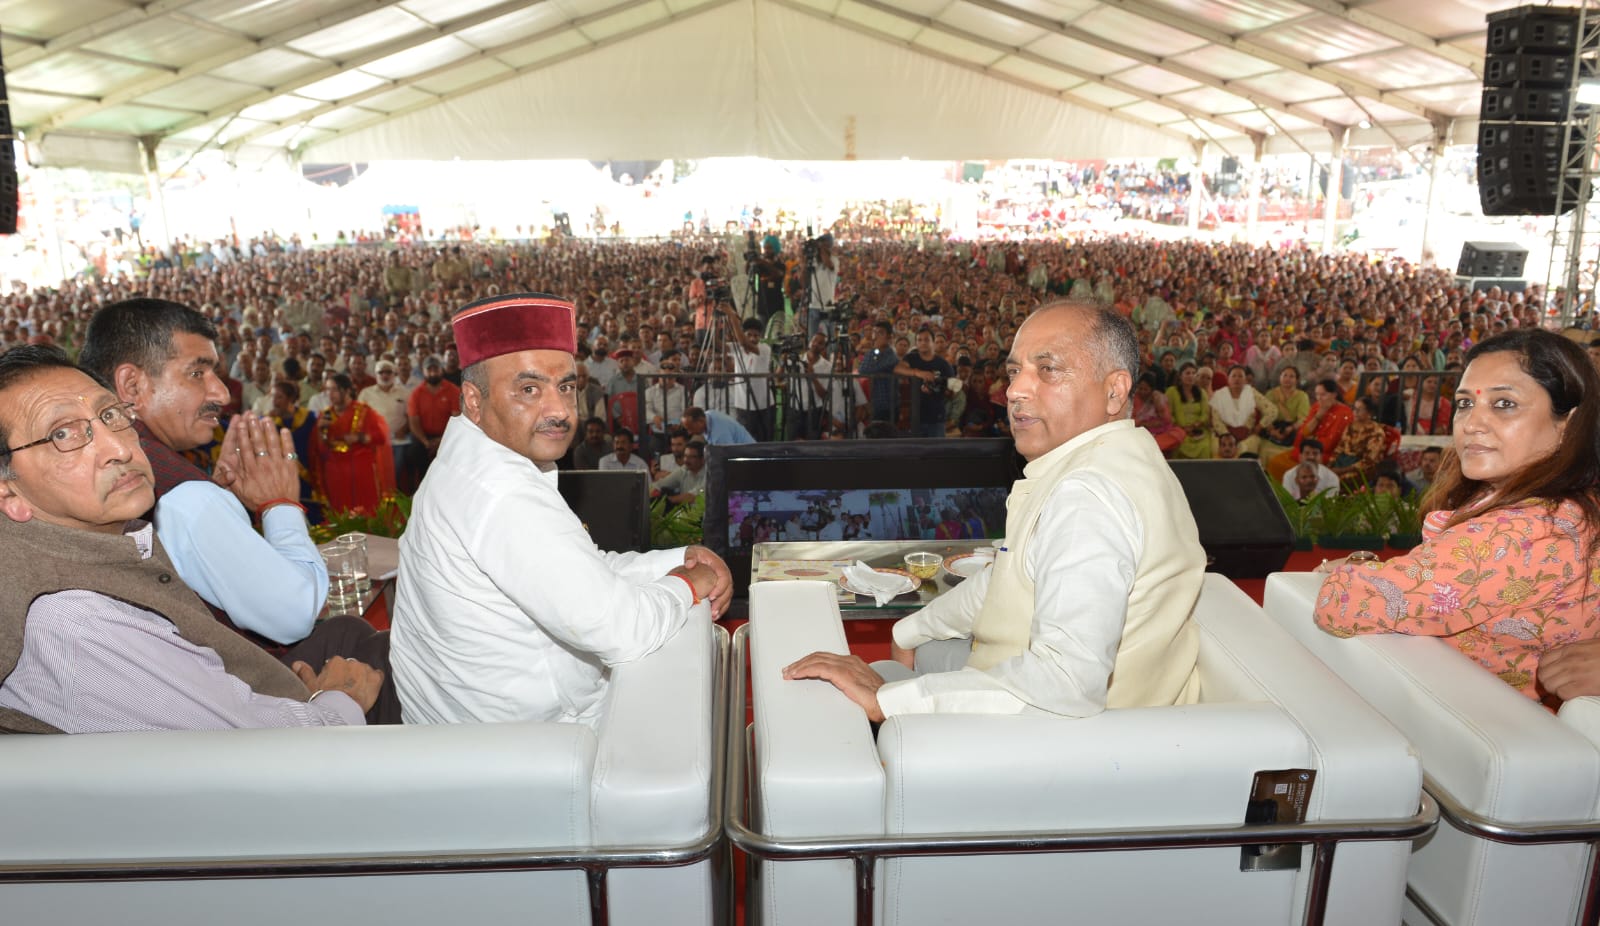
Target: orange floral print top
[{"x": 1503, "y": 587}]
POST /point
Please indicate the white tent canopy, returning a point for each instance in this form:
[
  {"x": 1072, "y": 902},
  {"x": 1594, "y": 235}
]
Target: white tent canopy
[{"x": 91, "y": 81}]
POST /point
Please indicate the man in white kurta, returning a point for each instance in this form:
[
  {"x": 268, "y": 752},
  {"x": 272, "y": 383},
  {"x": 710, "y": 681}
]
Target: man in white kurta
[
  {"x": 505, "y": 608},
  {"x": 1087, "y": 604}
]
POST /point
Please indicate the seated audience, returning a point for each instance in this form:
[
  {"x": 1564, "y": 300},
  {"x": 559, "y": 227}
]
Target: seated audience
[
  {"x": 1326, "y": 422},
  {"x": 683, "y": 484},
  {"x": 622, "y": 458},
  {"x": 1087, "y": 605},
  {"x": 506, "y": 610},
  {"x": 95, "y": 636},
  {"x": 1508, "y": 551},
  {"x": 160, "y": 357},
  {"x": 1363, "y": 445}
]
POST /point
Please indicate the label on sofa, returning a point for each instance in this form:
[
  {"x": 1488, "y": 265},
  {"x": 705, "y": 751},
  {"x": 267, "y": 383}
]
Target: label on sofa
[{"x": 1279, "y": 796}]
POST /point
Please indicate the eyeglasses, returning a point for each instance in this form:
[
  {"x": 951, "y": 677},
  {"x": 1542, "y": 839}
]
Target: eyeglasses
[{"x": 77, "y": 434}]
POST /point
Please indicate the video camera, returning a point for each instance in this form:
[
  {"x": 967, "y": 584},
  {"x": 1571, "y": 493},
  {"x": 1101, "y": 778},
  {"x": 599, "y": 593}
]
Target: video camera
[
  {"x": 717, "y": 289},
  {"x": 792, "y": 345},
  {"x": 752, "y": 250}
]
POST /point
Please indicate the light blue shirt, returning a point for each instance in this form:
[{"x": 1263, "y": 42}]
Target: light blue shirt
[
  {"x": 273, "y": 583},
  {"x": 725, "y": 429}
]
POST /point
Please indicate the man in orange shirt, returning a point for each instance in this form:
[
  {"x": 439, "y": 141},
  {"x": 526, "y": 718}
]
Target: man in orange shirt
[{"x": 430, "y": 408}]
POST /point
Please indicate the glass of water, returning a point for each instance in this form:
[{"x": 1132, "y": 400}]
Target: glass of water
[
  {"x": 356, "y": 544},
  {"x": 343, "y": 595}
]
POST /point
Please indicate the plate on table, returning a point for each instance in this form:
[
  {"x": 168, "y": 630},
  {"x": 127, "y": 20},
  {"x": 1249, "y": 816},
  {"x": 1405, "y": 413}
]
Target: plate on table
[
  {"x": 966, "y": 565},
  {"x": 909, "y": 582}
]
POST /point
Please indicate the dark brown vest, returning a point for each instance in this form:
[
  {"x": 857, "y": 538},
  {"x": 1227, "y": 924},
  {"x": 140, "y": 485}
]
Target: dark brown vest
[{"x": 43, "y": 559}]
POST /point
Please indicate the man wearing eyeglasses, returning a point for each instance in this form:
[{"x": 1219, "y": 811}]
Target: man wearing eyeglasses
[
  {"x": 95, "y": 634},
  {"x": 161, "y": 358}
]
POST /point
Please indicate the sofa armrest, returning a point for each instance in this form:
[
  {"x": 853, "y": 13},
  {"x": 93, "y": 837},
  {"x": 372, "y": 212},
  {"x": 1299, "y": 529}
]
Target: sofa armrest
[
  {"x": 816, "y": 768},
  {"x": 652, "y": 772},
  {"x": 1366, "y": 768},
  {"x": 1493, "y": 749},
  {"x": 1136, "y": 767},
  {"x": 297, "y": 793}
]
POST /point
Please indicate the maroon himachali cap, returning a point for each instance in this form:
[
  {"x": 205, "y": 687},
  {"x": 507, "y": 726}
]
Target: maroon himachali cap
[{"x": 514, "y": 322}]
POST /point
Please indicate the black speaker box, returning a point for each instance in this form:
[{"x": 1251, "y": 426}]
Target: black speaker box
[
  {"x": 613, "y": 506},
  {"x": 1491, "y": 259},
  {"x": 1521, "y": 101},
  {"x": 1519, "y": 167},
  {"x": 8, "y": 163},
  {"x": 1528, "y": 69},
  {"x": 1243, "y": 529},
  {"x": 1532, "y": 28}
]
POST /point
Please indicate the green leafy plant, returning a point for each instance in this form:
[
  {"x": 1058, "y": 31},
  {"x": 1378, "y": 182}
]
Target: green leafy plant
[
  {"x": 1304, "y": 517},
  {"x": 674, "y": 526},
  {"x": 394, "y": 510}
]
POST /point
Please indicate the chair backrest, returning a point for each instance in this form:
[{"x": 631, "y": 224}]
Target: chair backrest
[
  {"x": 1266, "y": 705},
  {"x": 622, "y": 410},
  {"x": 1495, "y": 751}
]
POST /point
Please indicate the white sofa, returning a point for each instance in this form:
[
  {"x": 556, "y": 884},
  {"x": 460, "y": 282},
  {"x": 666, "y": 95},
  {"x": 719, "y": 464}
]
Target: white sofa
[
  {"x": 385, "y": 825},
  {"x": 818, "y": 776},
  {"x": 1484, "y": 747}
]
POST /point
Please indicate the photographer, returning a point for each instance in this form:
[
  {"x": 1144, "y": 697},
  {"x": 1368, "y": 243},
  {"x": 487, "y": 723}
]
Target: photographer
[
  {"x": 768, "y": 268},
  {"x": 821, "y": 269}
]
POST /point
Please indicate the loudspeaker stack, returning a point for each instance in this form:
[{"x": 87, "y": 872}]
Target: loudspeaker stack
[
  {"x": 8, "y": 162},
  {"x": 1526, "y": 105}
]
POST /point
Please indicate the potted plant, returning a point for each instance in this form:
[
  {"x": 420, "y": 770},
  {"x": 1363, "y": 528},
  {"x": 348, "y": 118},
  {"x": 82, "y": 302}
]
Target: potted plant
[
  {"x": 1353, "y": 521},
  {"x": 389, "y": 520},
  {"x": 1305, "y": 517},
  {"x": 1407, "y": 527}
]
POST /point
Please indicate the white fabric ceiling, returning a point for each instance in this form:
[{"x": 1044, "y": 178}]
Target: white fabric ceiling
[{"x": 791, "y": 79}]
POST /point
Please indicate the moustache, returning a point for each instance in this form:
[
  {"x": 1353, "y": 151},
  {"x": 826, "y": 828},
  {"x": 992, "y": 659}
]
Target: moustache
[
  {"x": 210, "y": 408},
  {"x": 564, "y": 425}
]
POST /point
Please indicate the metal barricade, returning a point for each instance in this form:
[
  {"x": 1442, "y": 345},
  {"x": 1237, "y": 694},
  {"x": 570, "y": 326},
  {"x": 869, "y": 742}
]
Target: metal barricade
[{"x": 864, "y": 852}]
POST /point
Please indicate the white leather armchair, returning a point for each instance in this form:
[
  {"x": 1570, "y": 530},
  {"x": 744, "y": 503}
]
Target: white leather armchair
[
  {"x": 826, "y": 800},
  {"x": 385, "y": 825},
  {"x": 1493, "y": 759}
]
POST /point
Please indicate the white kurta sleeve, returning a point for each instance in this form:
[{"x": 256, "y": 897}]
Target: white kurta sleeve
[
  {"x": 573, "y": 591},
  {"x": 1082, "y": 559}
]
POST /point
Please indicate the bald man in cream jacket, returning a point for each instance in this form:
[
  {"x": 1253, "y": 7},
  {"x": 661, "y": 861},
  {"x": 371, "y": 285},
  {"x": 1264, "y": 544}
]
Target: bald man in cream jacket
[{"x": 1087, "y": 604}]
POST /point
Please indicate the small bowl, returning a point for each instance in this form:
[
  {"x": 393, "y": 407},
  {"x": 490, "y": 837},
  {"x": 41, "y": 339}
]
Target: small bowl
[{"x": 923, "y": 565}]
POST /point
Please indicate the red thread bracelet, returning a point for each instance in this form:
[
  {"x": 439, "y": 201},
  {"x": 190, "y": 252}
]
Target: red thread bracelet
[
  {"x": 273, "y": 502},
  {"x": 692, "y": 594}
]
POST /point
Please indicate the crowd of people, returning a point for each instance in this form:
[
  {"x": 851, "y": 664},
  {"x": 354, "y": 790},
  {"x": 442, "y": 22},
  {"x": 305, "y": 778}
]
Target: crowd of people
[
  {"x": 1245, "y": 351},
  {"x": 1085, "y": 608}
]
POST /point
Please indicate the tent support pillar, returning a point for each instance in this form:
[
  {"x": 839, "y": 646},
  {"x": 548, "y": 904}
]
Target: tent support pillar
[
  {"x": 1252, "y": 209},
  {"x": 1330, "y": 197},
  {"x": 1441, "y": 139}
]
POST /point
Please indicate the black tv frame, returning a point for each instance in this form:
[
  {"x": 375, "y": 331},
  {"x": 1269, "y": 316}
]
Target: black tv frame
[{"x": 933, "y": 463}]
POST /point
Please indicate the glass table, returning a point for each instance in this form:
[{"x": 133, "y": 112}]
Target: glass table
[{"x": 825, "y": 561}]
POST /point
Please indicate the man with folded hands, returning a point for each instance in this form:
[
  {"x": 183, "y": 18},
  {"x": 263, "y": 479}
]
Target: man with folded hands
[
  {"x": 1087, "y": 604},
  {"x": 506, "y": 610},
  {"x": 98, "y": 632}
]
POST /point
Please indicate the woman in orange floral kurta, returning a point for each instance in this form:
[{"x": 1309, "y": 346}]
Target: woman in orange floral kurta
[
  {"x": 1504, "y": 587},
  {"x": 1507, "y": 568}
]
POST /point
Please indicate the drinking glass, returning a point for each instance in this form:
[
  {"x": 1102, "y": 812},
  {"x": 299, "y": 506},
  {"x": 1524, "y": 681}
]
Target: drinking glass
[
  {"x": 343, "y": 596},
  {"x": 356, "y": 543}
]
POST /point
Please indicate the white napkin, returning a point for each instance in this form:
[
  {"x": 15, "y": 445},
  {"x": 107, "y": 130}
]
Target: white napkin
[{"x": 883, "y": 586}]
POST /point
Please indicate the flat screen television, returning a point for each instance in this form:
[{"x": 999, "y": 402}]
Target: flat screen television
[{"x": 854, "y": 490}]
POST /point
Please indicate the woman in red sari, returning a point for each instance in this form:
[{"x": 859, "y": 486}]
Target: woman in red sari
[
  {"x": 1326, "y": 422},
  {"x": 355, "y": 467}
]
